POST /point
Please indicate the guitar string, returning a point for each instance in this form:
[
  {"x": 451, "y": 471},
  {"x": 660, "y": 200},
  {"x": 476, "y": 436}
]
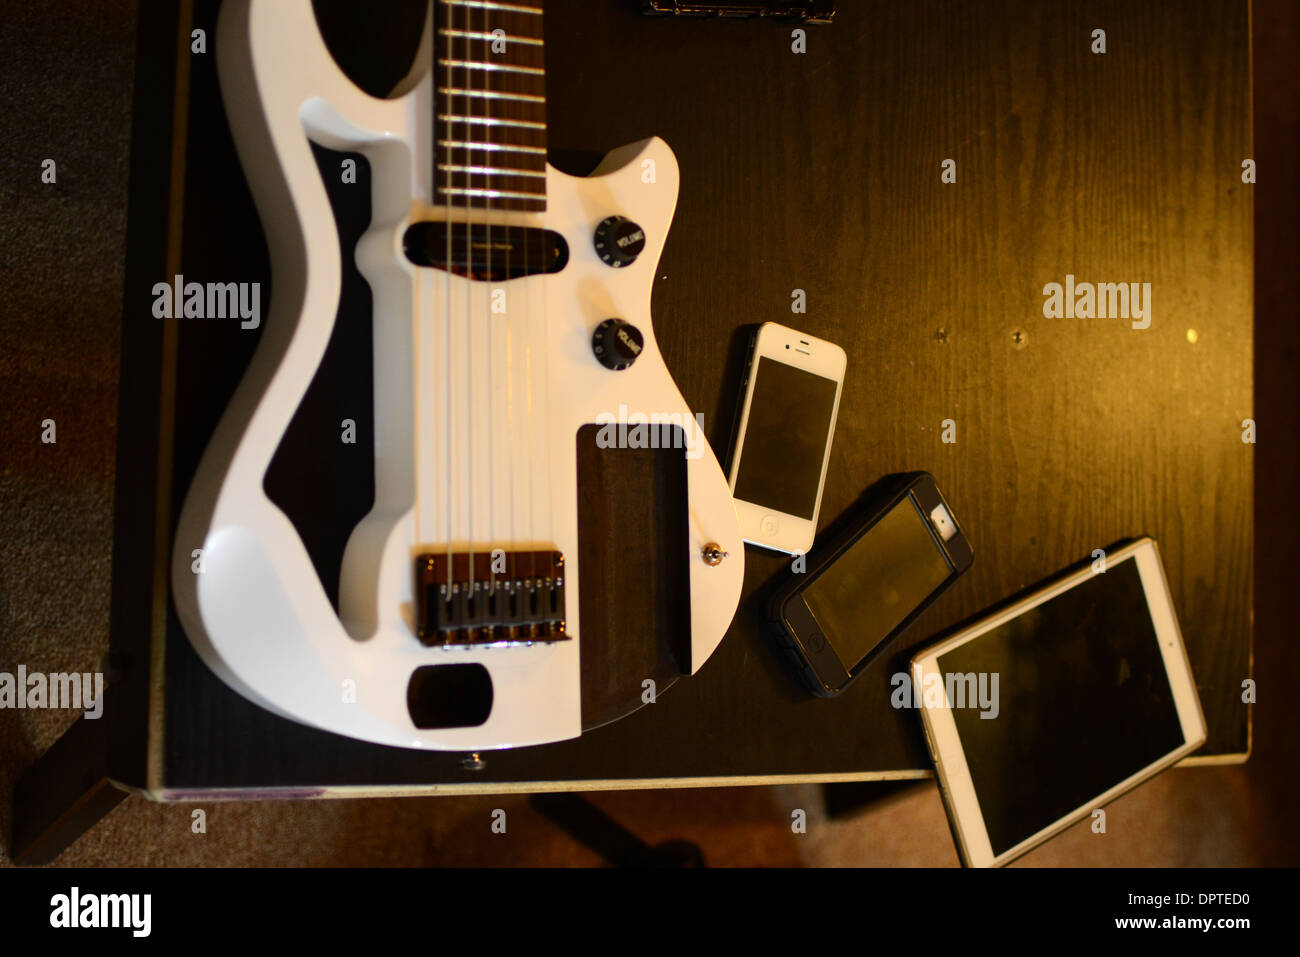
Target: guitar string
[
  {"x": 530, "y": 474},
  {"x": 540, "y": 519},
  {"x": 492, "y": 434},
  {"x": 469, "y": 330},
  {"x": 486, "y": 282},
  {"x": 546, "y": 385},
  {"x": 510, "y": 418},
  {"x": 509, "y": 543},
  {"x": 448, "y": 473},
  {"x": 511, "y": 571},
  {"x": 530, "y": 287}
]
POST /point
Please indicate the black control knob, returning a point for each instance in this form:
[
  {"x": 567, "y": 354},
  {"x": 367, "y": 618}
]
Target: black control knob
[
  {"x": 619, "y": 241},
  {"x": 617, "y": 343}
]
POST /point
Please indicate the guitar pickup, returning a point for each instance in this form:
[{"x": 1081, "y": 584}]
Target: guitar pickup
[
  {"x": 485, "y": 253},
  {"x": 490, "y": 598}
]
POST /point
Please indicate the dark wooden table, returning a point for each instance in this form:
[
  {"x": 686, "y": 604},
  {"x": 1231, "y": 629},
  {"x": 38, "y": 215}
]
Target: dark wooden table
[{"x": 818, "y": 171}]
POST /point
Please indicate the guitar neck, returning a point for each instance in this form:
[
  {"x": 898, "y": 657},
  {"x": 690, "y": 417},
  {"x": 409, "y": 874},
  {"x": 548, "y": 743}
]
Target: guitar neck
[{"x": 489, "y": 104}]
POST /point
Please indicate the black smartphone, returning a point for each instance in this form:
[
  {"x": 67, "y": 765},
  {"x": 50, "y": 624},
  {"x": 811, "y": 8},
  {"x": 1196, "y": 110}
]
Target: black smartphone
[{"x": 866, "y": 584}]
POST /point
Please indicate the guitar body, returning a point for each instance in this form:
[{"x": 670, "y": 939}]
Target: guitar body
[{"x": 480, "y": 390}]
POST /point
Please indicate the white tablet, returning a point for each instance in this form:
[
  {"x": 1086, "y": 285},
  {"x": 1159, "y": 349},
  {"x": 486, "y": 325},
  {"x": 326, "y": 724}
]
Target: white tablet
[{"x": 1045, "y": 710}]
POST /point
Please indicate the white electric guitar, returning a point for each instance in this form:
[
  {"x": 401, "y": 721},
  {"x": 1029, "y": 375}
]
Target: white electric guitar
[{"x": 511, "y": 307}]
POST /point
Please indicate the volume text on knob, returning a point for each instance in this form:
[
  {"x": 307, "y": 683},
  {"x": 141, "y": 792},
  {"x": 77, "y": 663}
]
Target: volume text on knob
[
  {"x": 619, "y": 241},
  {"x": 617, "y": 343}
]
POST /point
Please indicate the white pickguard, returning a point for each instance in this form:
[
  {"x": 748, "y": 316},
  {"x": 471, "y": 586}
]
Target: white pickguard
[{"x": 474, "y": 444}]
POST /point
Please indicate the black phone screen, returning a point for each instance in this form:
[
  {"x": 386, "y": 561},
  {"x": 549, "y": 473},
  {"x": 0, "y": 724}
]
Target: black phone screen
[
  {"x": 868, "y": 591},
  {"x": 1083, "y": 703},
  {"x": 785, "y": 439}
]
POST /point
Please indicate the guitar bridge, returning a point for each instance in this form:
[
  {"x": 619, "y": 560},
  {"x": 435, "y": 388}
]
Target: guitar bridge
[{"x": 490, "y": 598}]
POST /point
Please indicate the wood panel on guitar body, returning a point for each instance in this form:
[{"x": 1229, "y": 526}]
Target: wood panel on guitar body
[{"x": 491, "y": 297}]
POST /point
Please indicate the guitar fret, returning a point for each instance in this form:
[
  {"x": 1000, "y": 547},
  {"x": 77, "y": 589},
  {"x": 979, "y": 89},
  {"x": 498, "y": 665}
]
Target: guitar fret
[
  {"x": 493, "y": 95},
  {"x": 479, "y": 35},
  {"x": 490, "y": 121},
  {"x": 492, "y": 147},
  {"x": 515, "y": 92},
  {"x": 493, "y": 193},
  {"x": 494, "y": 5},
  {"x": 489, "y": 170},
  {"x": 492, "y": 67}
]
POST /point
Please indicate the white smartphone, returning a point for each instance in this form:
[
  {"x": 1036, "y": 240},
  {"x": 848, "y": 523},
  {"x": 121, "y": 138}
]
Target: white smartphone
[
  {"x": 785, "y": 421},
  {"x": 1040, "y": 713}
]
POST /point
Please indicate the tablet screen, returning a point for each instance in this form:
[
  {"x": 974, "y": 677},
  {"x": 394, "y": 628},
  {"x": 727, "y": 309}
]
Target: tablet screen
[{"x": 1084, "y": 703}]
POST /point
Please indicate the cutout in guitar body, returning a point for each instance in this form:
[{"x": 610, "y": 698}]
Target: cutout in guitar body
[
  {"x": 374, "y": 47},
  {"x": 449, "y": 696},
  {"x": 324, "y": 483}
]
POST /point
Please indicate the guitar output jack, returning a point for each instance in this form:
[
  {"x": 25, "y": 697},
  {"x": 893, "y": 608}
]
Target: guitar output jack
[
  {"x": 713, "y": 554},
  {"x": 473, "y": 762}
]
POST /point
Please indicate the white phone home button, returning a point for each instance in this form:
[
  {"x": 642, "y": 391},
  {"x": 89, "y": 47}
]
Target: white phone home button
[{"x": 769, "y": 525}]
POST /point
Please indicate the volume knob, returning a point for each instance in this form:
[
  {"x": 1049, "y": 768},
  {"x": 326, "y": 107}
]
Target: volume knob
[
  {"x": 617, "y": 343},
  {"x": 619, "y": 241}
]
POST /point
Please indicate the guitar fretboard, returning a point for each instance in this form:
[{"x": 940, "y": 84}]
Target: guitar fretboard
[{"x": 489, "y": 104}]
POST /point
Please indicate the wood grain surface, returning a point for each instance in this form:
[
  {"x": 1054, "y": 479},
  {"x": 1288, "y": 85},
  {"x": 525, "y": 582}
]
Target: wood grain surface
[{"x": 821, "y": 171}]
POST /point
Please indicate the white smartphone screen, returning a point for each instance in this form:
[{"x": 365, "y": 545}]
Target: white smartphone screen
[
  {"x": 1084, "y": 703},
  {"x": 789, "y": 422}
]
